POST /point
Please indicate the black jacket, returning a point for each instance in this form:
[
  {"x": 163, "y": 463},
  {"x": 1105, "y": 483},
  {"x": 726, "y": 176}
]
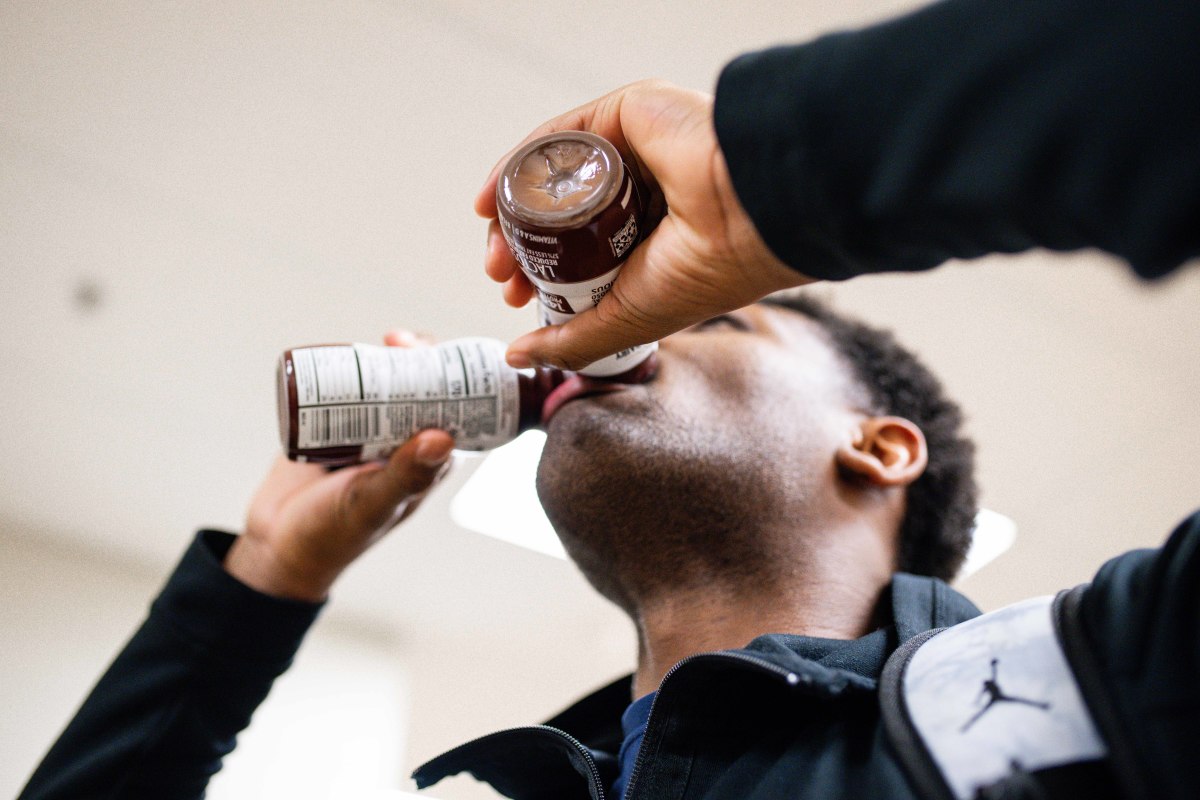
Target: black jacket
[
  {"x": 796, "y": 717},
  {"x": 974, "y": 127},
  {"x": 171, "y": 705},
  {"x": 787, "y": 716}
]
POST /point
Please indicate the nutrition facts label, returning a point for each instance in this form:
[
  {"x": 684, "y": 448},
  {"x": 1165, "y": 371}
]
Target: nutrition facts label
[{"x": 378, "y": 397}]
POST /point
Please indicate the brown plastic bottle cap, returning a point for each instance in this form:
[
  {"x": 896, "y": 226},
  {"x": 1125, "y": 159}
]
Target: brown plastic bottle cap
[{"x": 560, "y": 180}]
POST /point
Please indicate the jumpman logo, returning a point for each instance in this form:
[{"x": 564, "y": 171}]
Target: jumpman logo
[{"x": 996, "y": 695}]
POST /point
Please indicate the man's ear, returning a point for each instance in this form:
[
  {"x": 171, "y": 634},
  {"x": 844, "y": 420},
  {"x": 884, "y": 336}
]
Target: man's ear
[{"x": 885, "y": 451}]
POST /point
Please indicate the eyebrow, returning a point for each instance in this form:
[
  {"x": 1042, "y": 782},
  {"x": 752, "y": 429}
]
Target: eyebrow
[{"x": 736, "y": 316}]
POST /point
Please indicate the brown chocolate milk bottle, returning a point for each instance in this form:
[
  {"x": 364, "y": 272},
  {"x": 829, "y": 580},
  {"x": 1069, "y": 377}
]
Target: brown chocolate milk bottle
[
  {"x": 350, "y": 403},
  {"x": 571, "y": 212}
]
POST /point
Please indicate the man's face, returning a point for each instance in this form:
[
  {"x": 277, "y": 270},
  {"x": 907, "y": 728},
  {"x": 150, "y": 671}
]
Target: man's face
[{"x": 738, "y": 431}]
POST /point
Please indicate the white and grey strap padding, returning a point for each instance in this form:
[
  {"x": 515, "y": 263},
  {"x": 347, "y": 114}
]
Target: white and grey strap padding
[{"x": 973, "y": 702}]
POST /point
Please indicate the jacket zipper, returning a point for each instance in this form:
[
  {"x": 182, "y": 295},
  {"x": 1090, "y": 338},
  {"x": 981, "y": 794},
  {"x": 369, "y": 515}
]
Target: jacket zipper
[
  {"x": 790, "y": 677},
  {"x": 597, "y": 783}
]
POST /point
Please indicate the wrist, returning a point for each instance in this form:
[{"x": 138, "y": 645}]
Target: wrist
[{"x": 257, "y": 565}]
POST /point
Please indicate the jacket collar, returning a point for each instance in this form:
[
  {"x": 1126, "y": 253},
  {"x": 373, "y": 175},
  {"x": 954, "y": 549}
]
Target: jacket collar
[
  {"x": 829, "y": 666},
  {"x": 589, "y": 732}
]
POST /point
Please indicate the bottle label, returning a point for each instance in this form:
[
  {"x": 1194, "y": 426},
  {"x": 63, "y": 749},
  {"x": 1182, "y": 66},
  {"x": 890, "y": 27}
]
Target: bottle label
[
  {"x": 572, "y": 298},
  {"x": 378, "y": 397}
]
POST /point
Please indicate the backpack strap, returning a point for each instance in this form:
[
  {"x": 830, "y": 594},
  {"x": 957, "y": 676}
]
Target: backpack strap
[
  {"x": 968, "y": 706},
  {"x": 918, "y": 762},
  {"x": 1087, "y": 671}
]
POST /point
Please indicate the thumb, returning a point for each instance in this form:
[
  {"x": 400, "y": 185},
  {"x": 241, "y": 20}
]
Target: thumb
[
  {"x": 373, "y": 497},
  {"x": 651, "y": 298},
  {"x": 610, "y": 327}
]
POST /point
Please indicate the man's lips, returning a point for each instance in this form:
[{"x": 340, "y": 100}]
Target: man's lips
[{"x": 573, "y": 388}]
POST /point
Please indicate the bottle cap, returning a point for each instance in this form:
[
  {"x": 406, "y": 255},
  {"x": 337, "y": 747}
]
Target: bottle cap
[{"x": 561, "y": 180}]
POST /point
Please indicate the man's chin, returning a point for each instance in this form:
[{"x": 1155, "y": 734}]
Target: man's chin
[
  {"x": 586, "y": 439},
  {"x": 574, "y": 425},
  {"x": 613, "y": 412}
]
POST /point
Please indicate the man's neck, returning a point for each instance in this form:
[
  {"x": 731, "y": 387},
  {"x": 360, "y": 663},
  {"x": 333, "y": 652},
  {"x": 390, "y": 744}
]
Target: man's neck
[{"x": 683, "y": 623}]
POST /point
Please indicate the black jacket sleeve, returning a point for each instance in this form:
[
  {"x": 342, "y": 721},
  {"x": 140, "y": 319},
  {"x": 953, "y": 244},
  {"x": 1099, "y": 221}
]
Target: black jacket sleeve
[
  {"x": 1141, "y": 617},
  {"x": 972, "y": 127},
  {"x": 167, "y": 711}
]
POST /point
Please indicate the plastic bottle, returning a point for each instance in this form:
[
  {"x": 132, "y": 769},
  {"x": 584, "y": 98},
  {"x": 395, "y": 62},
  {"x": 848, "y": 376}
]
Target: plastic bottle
[
  {"x": 349, "y": 403},
  {"x": 571, "y": 212}
]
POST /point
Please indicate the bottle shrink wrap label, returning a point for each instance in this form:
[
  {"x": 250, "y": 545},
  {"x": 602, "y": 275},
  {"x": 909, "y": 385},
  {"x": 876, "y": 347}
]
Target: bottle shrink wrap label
[{"x": 377, "y": 397}]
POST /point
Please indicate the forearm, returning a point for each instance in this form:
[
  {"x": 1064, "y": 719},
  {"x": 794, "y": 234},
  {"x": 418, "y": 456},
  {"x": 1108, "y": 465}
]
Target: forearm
[
  {"x": 169, "y": 708},
  {"x": 971, "y": 127}
]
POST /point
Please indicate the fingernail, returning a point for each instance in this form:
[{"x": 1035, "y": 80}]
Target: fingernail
[
  {"x": 518, "y": 360},
  {"x": 432, "y": 451}
]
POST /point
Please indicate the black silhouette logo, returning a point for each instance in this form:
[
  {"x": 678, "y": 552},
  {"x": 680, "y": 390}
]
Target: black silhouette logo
[{"x": 993, "y": 692}]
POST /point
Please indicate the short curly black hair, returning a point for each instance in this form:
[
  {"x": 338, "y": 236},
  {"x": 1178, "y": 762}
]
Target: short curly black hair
[{"x": 935, "y": 533}]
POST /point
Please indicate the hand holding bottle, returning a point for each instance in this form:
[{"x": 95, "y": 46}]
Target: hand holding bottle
[
  {"x": 306, "y": 524},
  {"x": 704, "y": 258}
]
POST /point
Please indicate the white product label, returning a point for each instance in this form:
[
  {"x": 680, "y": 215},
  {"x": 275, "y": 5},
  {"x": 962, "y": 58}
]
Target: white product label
[
  {"x": 378, "y": 397},
  {"x": 572, "y": 298}
]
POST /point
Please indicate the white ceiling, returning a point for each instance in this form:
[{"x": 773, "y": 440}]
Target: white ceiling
[{"x": 188, "y": 188}]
